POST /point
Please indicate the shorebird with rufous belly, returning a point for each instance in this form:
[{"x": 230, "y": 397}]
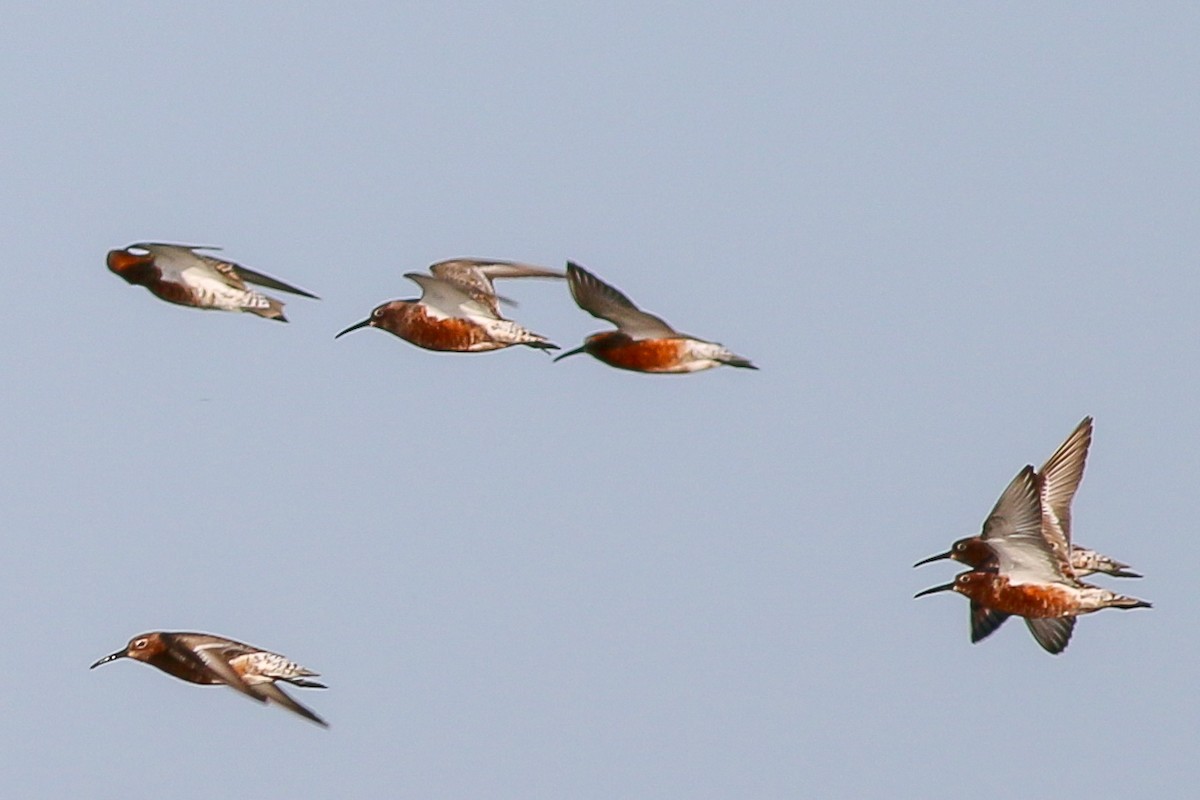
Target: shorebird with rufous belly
[
  {"x": 178, "y": 274},
  {"x": 213, "y": 660},
  {"x": 1033, "y": 576},
  {"x": 642, "y": 342},
  {"x": 458, "y": 310},
  {"x": 1059, "y": 479}
]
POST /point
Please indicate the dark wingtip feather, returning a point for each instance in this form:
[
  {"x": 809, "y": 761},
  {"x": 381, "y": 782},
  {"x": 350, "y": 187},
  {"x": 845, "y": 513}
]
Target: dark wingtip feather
[
  {"x": 984, "y": 622},
  {"x": 1052, "y": 633}
]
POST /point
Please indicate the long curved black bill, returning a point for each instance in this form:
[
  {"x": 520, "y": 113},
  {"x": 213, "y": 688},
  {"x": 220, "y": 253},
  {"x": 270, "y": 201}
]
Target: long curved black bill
[
  {"x": 108, "y": 658},
  {"x": 354, "y": 327},
  {"x": 945, "y": 587},
  {"x": 574, "y": 352},
  {"x": 938, "y": 557}
]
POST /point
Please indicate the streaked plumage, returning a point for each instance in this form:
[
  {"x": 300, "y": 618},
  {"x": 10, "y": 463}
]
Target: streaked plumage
[
  {"x": 179, "y": 274},
  {"x": 458, "y": 310}
]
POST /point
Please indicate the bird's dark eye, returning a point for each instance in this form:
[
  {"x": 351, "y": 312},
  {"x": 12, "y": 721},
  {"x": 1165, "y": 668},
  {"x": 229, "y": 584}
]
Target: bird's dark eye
[
  {"x": 377, "y": 313},
  {"x": 140, "y": 644},
  {"x": 960, "y": 546}
]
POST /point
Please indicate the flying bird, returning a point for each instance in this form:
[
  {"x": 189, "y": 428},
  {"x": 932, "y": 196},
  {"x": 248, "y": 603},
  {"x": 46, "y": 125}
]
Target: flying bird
[
  {"x": 211, "y": 660},
  {"x": 458, "y": 310},
  {"x": 179, "y": 274},
  {"x": 642, "y": 342}
]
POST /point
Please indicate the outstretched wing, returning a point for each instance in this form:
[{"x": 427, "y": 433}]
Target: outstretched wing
[
  {"x": 1014, "y": 532},
  {"x": 178, "y": 262},
  {"x": 475, "y": 275},
  {"x": 449, "y": 299},
  {"x": 601, "y": 300},
  {"x": 1062, "y": 473},
  {"x": 257, "y": 277},
  {"x": 1052, "y": 633}
]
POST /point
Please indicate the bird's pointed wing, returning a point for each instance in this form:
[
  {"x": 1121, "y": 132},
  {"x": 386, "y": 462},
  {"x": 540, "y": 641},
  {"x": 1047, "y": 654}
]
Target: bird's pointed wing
[
  {"x": 984, "y": 621},
  {"x": 1014, "y": 532},
  {"x": 475, "y": 275},
  {"x": 1062, "y": 473},
  {"x": 1059, "y": 544},
  {"x": 480, "y": 272},
  {"x": 1052, "y": 633},
  {"x": 257, "y": 277},
  {"x": 449, "y": 299},
  {"x": 174, "y": 260},
  {"x": 273, "y": 692},
  {"x": 601, "y": 300}
]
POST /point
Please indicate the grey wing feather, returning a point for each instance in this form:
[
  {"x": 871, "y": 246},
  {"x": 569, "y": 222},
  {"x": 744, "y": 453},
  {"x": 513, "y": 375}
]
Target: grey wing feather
[
  {"x": 242, "y": 275},
  {"x": 449, "y": 298},
  {"x": 269, "y": 282},
  {"x": 1058, "y": 543},
  {"x": 273, "y": 692},
  {"x": 475, "y": 276},
  {"x": 470, "y": 270},
  {"x": 1062, "y": 473},
  {"x": 1014, "y": 532},
  {"x": 605, "y": 302},
  {"x": 1018, "y": 511}
]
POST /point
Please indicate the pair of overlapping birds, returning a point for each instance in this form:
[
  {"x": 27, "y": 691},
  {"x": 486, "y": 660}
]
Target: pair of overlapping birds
[
  {"x": 1023, "y": 563},
  {"x": 458, "y": 311}
]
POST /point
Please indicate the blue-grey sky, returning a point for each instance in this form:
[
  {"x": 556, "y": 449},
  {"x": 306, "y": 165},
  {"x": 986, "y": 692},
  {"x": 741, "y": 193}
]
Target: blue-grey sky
[{"x": 945, "y": 232}]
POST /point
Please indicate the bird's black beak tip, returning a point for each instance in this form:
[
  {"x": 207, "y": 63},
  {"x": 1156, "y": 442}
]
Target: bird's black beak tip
[
  {"x": 354, "y": 327},
  {"x": 576, "y": 351},
  {"x": 108, "y": 658},
  {"x": 945, "y": 587},
  {"x": 931, "y": 559}
]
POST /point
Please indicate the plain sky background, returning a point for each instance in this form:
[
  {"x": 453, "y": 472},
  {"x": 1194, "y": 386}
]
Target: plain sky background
[{"x": 945, "y": 232}]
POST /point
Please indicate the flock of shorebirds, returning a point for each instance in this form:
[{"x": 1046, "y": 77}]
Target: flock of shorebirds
[
  {"x": 458, "y": 310},
  {"x": 1023, "y": 563}
]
